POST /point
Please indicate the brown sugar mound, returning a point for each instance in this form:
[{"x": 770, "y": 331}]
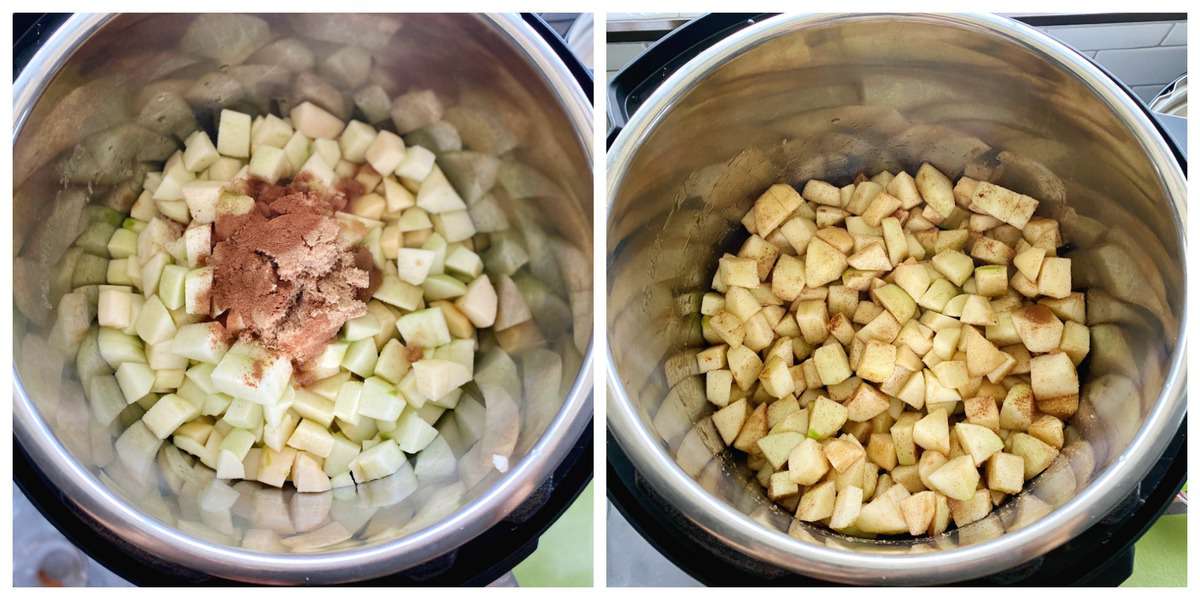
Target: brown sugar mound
[{"x": 284, "y": 274}]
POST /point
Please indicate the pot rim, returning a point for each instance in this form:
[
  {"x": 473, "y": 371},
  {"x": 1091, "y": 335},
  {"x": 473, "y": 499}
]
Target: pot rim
[
  {"x": 747, "y": 536},
  {"x": 122, "y": 519}
]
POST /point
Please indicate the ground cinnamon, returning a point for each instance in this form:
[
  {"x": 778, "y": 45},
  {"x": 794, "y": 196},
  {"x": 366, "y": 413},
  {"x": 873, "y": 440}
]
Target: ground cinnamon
[{"x": 282, "y": 272}]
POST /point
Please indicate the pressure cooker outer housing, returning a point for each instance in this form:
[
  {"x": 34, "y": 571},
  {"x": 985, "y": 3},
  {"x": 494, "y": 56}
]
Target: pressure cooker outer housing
[
  {"x": 80, "y": 82},
  {"x": 797, "y": 97}
]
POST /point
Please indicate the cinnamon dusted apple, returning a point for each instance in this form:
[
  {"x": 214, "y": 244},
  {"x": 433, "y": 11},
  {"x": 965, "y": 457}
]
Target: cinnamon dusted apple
[{"x": 877, "y": 349}]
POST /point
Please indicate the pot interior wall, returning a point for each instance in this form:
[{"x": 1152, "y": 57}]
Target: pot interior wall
[
  {"x": 499, "y": 103},
  {"x": 860, "y": 95}
]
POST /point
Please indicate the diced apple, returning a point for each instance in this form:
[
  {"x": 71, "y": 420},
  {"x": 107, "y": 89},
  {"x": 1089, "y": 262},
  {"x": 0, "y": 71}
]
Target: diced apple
[
  {"x": 1003, "y": 204},
  {"x": 114, "y": 307},
  {"x": 135, "y": 379},
  {"x": 865, "y": 404},
  {"x": 1036, "y": 454},
  {"x": 233, "y": 134},
  {"x": 978, "y": 441},
  {"x": 386, "y": 152},
  {"x": 416, "y": 164},
  {"x": 413, "y": 264},
  {"x": 956, "y": 479},
  {"x": 1054, "y": 279},
  {"x": 823, "y": 263},
  {"x": 197, "y": 291},
  {"x": 309, "y": 436},
  {"x": 1053, "y": 375},
  {"x": 274, "y": 465},
  {"x": 425, "y": 328},
  {"x": 882, "y": 515},
  {"x": 168, "y": 414},
  {"x": 817, "y": 503},
  {"x": 753, "y": 429},
  {"x": 1005, "y": 473},
  {"x": 252, "y": 373},
  {"x": 438, "y": 196},
  {"x": 826, "y": 417},
  {"x": 832, "y": 365}
]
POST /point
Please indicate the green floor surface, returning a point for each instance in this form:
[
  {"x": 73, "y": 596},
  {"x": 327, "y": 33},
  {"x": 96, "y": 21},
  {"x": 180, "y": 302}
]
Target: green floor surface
[
  {"x": 564, "y": 554},
  {"x": 1161, "y": 556}
]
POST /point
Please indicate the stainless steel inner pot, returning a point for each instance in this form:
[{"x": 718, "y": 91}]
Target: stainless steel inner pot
[
  {"x": 800, "y": 97},
  {"x": 514, "y": 98}
]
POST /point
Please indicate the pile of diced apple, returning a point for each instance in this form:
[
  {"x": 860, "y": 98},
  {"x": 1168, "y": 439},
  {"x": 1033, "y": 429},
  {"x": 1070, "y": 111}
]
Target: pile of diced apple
[
  {"x": 897, "y": 353},
  {"x": 134, "y": 306}
]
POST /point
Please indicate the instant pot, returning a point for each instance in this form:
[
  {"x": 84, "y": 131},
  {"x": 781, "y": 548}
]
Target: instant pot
[
  {"x": 75, "y": 78},
  {"x": 721, "y": 108}
]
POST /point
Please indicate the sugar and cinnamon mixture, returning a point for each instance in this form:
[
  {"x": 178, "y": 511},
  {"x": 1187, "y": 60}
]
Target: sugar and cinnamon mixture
[{"x": 283, "y": 272}]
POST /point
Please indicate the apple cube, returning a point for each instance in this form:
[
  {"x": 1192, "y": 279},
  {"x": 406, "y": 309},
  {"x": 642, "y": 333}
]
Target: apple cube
[
  {"x": 1036, "y": 454},
  {"x": 718, "y": 386},
  {"x": 398, "y": 293},
  {"x": 818, "y": 502},
  {"x": 114, "y": 308},
  {"x": 933, "y": 432},
  {"x": 1003, "y": 204},
  {"x": 386, "y": 152},
  {"x": 826, "y": 417},
  {"x": 413, "y": 264},
  {"x": 956, "y": 479},
  {"x": 315, "y": 122},
  {"x": 412, "y": 433},
  {"x": 274, "y": 465},
  {"x": 269, "y": 164},
  {"x": 310, "y": 436},
  {"x": 136, "y": 380},
  {"x": 252, "y": 373},
  {"x": 1053, "y": 375},
  {"x": 233, "y": 134},
  {"x": 437, "y": 195},
  {"x": 168, "y": 414},
  {"x": 360, "y": 357},
  {"x": 1006, "y": 473},
  {"x": 1054, "y": 279},
  {"x": 729, "y": 420},
  {"x": 882, "y": 515},
  {"x": 833, "y": 366},
  {"x": 435, "y": 377},
  {"x": 416, "y": 164},
  {"x": 308, "y": 475},
  {"x": 425, "y": 328},
  {"x": 198, "y": 291}
]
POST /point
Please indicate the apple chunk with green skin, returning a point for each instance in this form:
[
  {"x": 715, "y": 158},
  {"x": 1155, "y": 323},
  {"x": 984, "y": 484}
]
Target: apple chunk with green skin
[
  {"x": 935, "y": 189},
  {"x": 436, "y": 377},
  {"x": 825, "y": 418}
]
